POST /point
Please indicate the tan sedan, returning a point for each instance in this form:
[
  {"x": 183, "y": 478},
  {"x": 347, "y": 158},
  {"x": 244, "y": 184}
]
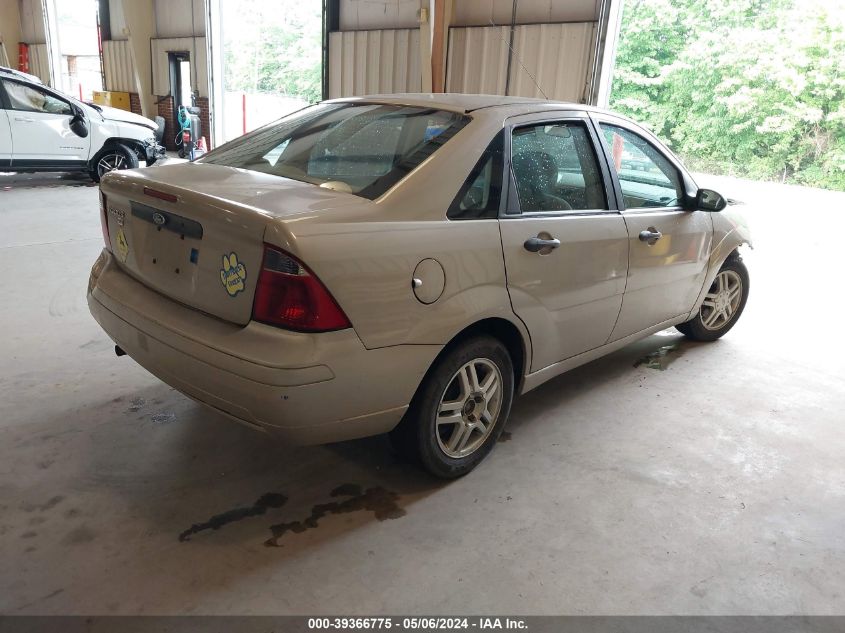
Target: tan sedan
[{"x": 408, "y": 264}]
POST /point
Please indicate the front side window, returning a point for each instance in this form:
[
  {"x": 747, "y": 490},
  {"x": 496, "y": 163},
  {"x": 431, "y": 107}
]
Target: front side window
[
  {"x": 29, "y": 99},
  {"x": 555, "y": 168},
  {"x": 647, "y": 177},
  {"x": 363, "y": 149}
]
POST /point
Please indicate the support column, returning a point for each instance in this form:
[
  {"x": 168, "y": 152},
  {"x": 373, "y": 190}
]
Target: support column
[
  {"x": 426, "y": 17},
  {"x": 610, "y": 23},
  {"x": 214, "y": 50},
  {"x": 443, "y": 11},
  {"x": 140, "y": 22},
  {"x": 51, "y": 34}
]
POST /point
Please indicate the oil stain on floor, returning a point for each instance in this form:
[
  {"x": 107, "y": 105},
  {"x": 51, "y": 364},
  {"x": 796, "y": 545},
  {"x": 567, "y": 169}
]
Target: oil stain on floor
[
  {"x": 662, "y": 357},
  {"x": 382, "y": 503},
  {"x": 260, "y": 507}
]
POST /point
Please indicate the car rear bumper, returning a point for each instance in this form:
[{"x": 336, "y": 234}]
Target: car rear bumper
[{"x": 307, "y": 388}]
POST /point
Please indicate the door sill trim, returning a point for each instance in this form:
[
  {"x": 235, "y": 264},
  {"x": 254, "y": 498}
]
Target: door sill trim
[{"x": 537, "y": 378}]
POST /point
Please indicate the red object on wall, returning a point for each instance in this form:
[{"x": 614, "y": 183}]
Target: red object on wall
[
  {"x": 617, "y": 149},
  {"x": 23, "y": 57}
]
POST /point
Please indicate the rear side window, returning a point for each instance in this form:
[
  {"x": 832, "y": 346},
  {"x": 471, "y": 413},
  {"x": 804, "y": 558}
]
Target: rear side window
[
  {"x": 363, "y": 149},
  {"x": 480, "y": 195},
  {"x": 555, "y": 168}
]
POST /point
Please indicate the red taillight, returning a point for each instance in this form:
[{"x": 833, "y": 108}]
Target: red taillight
[
  {"x": 288, "y": 295},
  {"x": 104, "y": 219}
]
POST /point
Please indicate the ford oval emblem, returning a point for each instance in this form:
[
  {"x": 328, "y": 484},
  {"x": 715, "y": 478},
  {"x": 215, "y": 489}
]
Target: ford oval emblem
[{"x": 159, "y": 219}]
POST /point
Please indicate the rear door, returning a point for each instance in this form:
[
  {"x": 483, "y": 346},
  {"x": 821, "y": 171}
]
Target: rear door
[
  {"x": 5, "y": 138},
  {"x": 40, "y": 127},
  {"x": 564, "y": 242},
  {"x": 5, "y": 131},
  {"x": 669, "y": 246}
]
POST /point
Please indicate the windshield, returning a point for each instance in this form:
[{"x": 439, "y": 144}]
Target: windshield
[{"x": 363, "y": 149}]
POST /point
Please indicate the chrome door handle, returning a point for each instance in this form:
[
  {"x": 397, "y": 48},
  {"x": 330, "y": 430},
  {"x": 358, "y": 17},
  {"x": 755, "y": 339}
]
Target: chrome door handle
[
  {"x": 25, "y": 120},
  {"x": 650, "y": 235},
  {"x": 536, "y": 244}
]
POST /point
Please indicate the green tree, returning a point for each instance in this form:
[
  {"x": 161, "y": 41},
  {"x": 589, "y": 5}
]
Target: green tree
[
  {"x": 273, "y": 46},
  {"x": 740, "y": 86}
]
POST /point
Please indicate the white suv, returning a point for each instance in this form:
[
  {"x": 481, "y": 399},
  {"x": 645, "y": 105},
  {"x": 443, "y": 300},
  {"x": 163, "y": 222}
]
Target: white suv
[{"x": 44, "y": 130}]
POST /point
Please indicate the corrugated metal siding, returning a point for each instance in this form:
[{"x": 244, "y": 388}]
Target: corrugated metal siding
[
  {"x": 558, "y": 55},
  {"x": 161, "y": 68},
  {"x": 174, "y": 18},
  {"x": 380, "y": 14},
  {"x": 119, "y": 67},
  {"x": 482, "y": 12},
  {"x": 560, "y": 58},
  {"x": 32, "y": 22},
  {"x": 478, "y": 60},
  {"x": 371, "y": 62},
  {"x": 39, "y": 62}
]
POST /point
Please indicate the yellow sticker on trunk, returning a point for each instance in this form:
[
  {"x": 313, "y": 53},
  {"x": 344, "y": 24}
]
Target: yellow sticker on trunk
[
  {"x": 233, "y": 274},
  {"x": 122, "y": 246}
]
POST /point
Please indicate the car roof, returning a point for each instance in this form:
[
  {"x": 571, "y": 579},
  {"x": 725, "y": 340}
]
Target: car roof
[
  {"x": 19, "y": 74},
  {"x": 458, "y": 102}
]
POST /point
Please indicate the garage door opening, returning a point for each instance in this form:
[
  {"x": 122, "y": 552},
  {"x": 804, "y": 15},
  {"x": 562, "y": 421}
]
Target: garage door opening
[
  {"x": 271, "y": 61},
  {"x": 79, "y": 45},
  {"x": 181, "y": 83}
]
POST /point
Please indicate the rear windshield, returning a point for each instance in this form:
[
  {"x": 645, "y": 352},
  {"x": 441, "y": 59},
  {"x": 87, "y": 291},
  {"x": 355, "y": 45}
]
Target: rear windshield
[{"x": 363, "y": 149}]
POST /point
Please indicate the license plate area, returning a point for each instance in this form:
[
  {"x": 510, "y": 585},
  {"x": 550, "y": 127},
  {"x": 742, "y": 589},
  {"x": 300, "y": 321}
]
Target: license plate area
[
  {"x": 168, "y": 221},
  {"x": 167, "y": 247}
]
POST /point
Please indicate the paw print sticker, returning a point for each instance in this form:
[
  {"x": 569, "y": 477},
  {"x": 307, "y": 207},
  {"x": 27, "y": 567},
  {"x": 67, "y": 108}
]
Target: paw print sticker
[{"x": 233, "y": 274}]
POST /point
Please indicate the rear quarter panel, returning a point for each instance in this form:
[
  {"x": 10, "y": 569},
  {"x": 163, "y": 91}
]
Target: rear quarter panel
[
  {"x": 366, "y": 255},
  {"x": 369, "y": 266}
]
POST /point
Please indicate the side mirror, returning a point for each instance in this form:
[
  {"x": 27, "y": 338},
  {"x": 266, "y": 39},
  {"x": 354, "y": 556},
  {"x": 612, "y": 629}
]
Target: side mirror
[
  {"x": 709, "y": 200},
  {"x": 78, "y": 125}
]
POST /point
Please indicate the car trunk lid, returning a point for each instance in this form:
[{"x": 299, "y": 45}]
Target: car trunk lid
[{"x": 202, "y": 245}]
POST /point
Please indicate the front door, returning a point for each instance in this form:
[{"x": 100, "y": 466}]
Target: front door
[
  {"x": 40, "y": 125},
  {"x": 669, "y": 246},
  {"x": 565, "y": 247},
  {"x": 5, "y": 139}
]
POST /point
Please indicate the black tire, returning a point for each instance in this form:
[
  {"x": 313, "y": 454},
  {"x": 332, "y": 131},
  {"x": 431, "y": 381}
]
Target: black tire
[
  {"x": 118, "y": 154},
  {"x": 419, "y": 437},
  {"x": 696, "y": 329}
]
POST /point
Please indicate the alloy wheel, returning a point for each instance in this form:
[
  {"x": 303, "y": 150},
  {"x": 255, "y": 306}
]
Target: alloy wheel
[
  {"x": 722, "y": 301},
  {"x": 110, "y": 162},
  {"x": 469, "y": 408}
]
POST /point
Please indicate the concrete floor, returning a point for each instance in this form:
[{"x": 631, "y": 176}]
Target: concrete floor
[{"x": 716, "y": 486}]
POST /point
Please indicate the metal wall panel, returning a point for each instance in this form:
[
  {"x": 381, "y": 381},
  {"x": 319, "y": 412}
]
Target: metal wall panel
[
  {"x": 483, "y": 12},
  {"x": 117, "y": 21},
  {"x": 380, "y": 14},
  {"x": 372, "y": 62},
  {"x": 39, "y": 62},
  {"x": 559, "y": 56},
  {"x": 161, "y": 65},
  {"x": 32, "y": 22},
  {"x": 173, "y": 18},
  {"x": 477, "y": 60},
  {"x": 119, "y": 66}
]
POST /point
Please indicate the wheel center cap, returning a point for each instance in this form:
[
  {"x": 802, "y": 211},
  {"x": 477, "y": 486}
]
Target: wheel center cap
[{"x": 473, "y": 405}]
